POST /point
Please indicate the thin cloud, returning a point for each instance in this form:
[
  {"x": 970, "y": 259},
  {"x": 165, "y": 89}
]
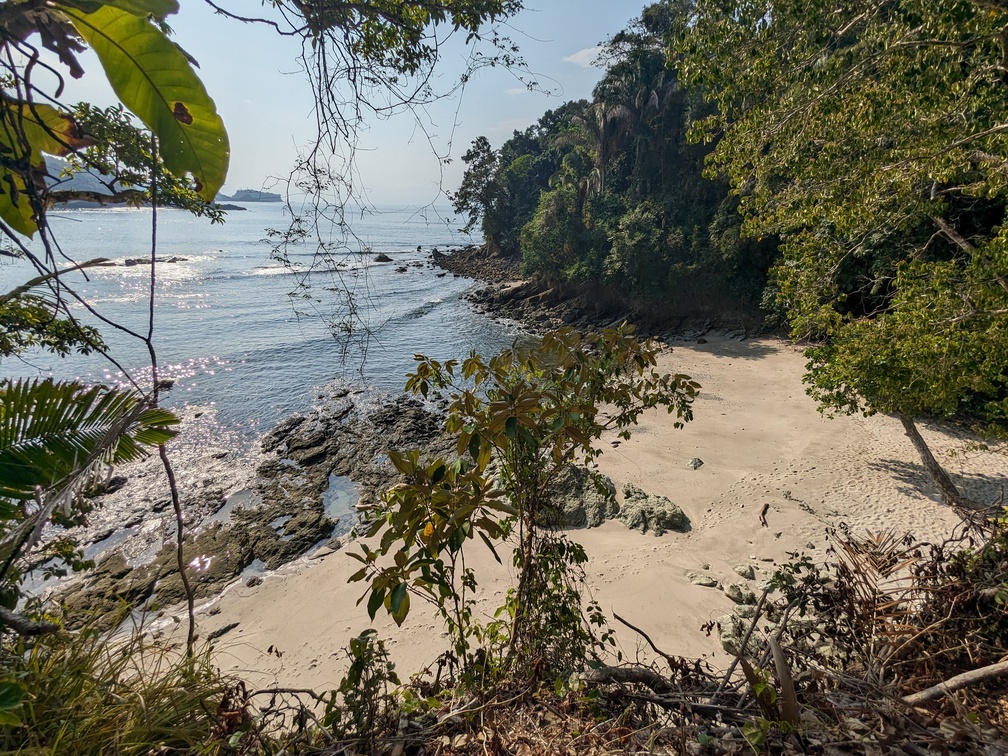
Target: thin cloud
[{"x": 584, "y": 58}]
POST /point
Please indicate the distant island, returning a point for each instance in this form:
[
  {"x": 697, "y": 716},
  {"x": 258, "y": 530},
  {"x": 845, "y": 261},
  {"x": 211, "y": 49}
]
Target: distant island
[
  {"x": 250, "y": 195},
  {"x": 91, "y": 184}
]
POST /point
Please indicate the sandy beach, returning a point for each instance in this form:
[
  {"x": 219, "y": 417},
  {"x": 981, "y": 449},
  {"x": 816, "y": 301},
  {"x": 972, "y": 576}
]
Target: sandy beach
[{"x": 762, "y": 441}]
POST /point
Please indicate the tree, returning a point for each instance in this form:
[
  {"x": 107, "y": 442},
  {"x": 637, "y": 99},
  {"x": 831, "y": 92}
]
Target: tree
[
  {"x": 872, "y": 137},
  {"x": 519, "y": 419}
]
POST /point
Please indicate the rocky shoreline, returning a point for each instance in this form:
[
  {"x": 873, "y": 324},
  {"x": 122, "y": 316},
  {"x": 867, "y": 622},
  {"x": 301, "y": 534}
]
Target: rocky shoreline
[
  {"x": 541, "y": 306},
  {"x": 296, "y": 495},
  {"x": 296, "y": 492}
]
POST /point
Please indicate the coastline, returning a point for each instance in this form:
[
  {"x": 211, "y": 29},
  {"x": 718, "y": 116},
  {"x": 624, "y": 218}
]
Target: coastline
[
  {"x": 763, "y": 444},
  {"x": 278, "y": 581}
]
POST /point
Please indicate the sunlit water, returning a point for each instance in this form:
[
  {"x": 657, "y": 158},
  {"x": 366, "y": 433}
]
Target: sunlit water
[{"x": 230, "y": 327}]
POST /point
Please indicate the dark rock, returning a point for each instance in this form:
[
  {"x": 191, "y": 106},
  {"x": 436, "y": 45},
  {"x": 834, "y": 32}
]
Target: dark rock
[
  {"x": 215, "y": 634},
  {"x": 382, "y": 258},
  {"x": 583, "y": 500},
  {"x": 401, "y": 269},
  {"x": 253, "y": 581},
  {"x": 696, "y": 463},
  {"x": 113, "y": 484}
]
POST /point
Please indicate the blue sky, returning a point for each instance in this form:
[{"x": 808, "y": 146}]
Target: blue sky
[{"x": 265, "y": 101}]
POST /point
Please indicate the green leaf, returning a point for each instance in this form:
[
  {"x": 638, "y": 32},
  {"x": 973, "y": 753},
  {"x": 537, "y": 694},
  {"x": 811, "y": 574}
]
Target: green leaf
[
  {"x": 155, "y": 80},
  {"x": 374, "y": 603},
  {"x": 143, "y": 8},
  {"x": 14, "y": 205},
  {"x": 511, "y": 427},
  {"x": 439, "y": 474},
  {"x": 11, "y": 694},
  {"x": 396, "y": 598}
]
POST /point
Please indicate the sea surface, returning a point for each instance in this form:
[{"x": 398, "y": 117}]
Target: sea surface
[{"x": 233, "y": 328}]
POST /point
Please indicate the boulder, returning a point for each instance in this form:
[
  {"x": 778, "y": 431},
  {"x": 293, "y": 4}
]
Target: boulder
[
  {"x": 382, "y": 257},
  {"x": 583, "y": 500},
  {"x": 740, "y": 593},
  {"x": 642, "y": 511},
  {"x": 704, "y": 581},
  {"x": 745, "y": 571}
]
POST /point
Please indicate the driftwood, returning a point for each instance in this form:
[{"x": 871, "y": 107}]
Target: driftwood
[
  {"x": 966, "y": 679},
  {"x": 24, "y": 626},
  {"x": 628, "y": 675}
]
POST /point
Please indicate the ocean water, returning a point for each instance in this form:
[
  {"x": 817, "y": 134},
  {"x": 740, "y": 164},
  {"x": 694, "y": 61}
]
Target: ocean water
[{"x": 232, "y": 328}]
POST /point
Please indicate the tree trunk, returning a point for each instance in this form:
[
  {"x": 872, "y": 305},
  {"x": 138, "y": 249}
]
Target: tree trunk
[{"x": 949, "y": 492}]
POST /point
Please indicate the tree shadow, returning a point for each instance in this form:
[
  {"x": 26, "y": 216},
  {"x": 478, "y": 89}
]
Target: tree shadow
[
  {"x": 911, "y": 478},
  {"x": 721, "y": 346}
]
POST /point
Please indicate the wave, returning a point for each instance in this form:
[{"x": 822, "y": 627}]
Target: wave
[{"x": 424, "y": 309}]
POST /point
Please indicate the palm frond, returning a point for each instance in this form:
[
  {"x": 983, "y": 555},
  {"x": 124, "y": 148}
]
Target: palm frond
[{"x": 53, "y": 436}]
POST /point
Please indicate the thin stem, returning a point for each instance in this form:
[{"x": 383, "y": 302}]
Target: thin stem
[{"x": 155, "y": 392}]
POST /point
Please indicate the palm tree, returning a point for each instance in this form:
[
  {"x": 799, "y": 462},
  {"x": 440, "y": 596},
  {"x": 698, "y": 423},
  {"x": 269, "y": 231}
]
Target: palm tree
[{"x": 599, "y": 131}]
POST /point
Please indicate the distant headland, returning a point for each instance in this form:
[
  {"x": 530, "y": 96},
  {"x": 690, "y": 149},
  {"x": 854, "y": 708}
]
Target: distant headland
[{"x": 250, "y": 195}]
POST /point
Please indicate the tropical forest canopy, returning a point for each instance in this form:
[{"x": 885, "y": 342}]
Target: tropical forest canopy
[
  {"x": 610, "y": 192},
  {"x": 867, "y": 139}
]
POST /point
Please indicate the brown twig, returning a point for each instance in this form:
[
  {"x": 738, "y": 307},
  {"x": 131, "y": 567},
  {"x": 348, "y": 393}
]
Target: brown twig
[
  {"x": 24, "y": 626},
  {"x": 965, "y": 680},
  {"x": 673, "y": 662}
]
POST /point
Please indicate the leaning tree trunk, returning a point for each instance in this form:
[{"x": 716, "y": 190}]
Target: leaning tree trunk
[{"x": 948, "y": 489}]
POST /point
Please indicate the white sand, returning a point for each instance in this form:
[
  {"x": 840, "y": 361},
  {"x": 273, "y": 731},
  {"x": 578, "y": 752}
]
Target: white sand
[{"x": 761, "y": 439}]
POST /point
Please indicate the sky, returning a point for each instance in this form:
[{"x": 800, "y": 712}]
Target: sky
[{"x": 264, "y": 98}]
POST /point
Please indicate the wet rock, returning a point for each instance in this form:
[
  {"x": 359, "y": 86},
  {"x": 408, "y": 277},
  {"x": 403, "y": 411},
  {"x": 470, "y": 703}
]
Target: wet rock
[
  {"x": 382, "y": 258},
  {"x": 583, "y": 499},
  {"x": 253, "y": 581},
  {"x": 642, "y": 511},
  {"x": 214, "y": 558}
]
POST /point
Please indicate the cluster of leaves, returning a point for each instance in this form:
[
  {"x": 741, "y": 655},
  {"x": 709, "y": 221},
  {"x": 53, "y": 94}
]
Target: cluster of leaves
[
  {"x": 871, "y": 137},
  {"x": 394, "y": 34},
  {"x": 519, "y": 420},
  {"x": 152, "y": 77},
  {"x": 609, "y": 192}
]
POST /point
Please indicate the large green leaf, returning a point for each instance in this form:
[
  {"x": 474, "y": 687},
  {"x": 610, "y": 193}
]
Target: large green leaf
[
  {"x": 44, "y": 128},
  {"x": 15, "y": 208},
  {"x": 53, "y": 436},
  {"x": 143, "y": 8},
  {"x": 26, "y": 132},
  {"x": 154, "y": 79}
]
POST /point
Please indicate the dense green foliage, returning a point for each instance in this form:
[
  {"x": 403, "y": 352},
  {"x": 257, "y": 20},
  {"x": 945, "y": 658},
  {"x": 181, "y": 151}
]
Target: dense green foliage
[
  {"x": 871, "y": 136},
  {"x": 610, "y": 192}
]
